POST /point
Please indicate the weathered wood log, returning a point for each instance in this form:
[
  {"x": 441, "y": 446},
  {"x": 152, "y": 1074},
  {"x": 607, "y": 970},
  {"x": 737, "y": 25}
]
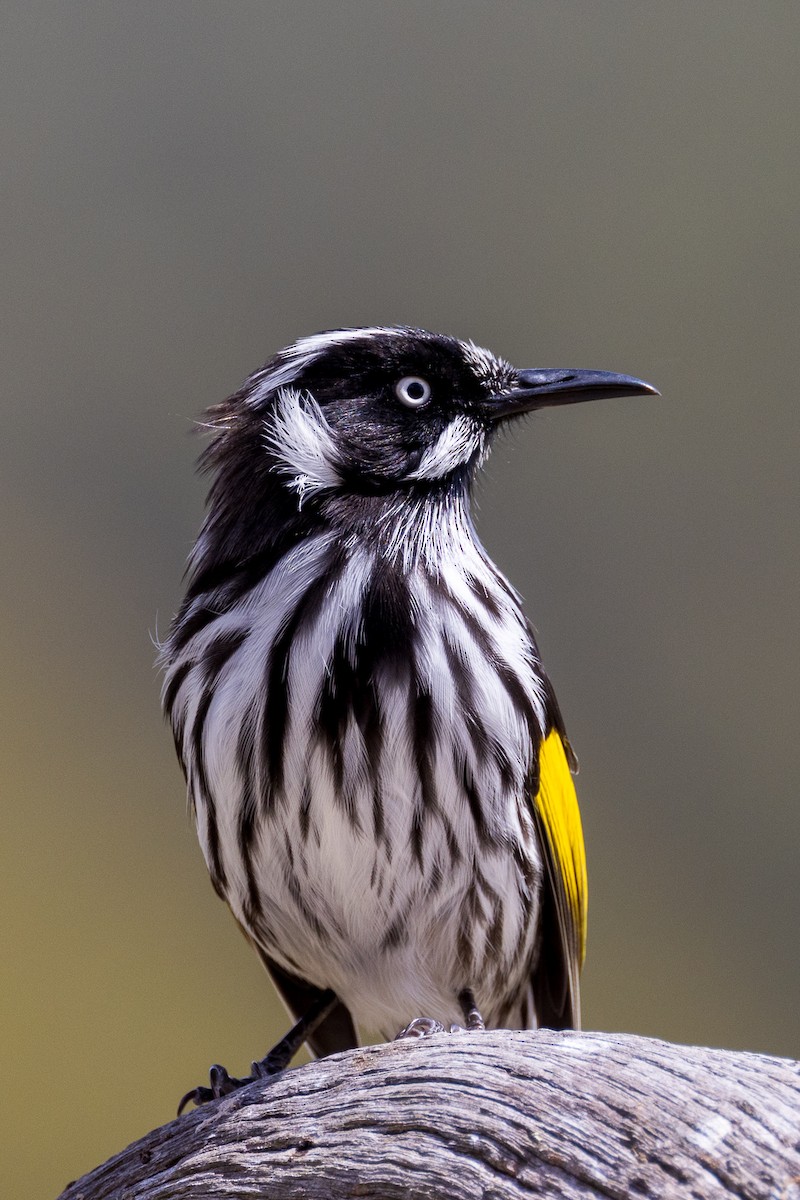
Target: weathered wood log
[{"x": 498, "y": 1115}]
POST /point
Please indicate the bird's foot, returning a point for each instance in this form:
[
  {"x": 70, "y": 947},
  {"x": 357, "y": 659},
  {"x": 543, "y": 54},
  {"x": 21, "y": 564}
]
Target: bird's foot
[
  {"x": 469, "y": 1008},
  {"x": 278, "y": 1059},
  {"x": 220, "y": 1084},
  {"x": 424, "y": 1026},
  {"x": 420, "y": 1027}
]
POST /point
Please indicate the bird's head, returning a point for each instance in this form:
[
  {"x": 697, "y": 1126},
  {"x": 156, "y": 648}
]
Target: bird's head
[
  {"x": 345, "y": 427},
  {"x": 377, "y": 410}
]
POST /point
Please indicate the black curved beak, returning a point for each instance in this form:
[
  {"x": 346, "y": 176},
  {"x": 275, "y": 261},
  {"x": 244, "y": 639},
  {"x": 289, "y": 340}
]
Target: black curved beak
[{"x": 546, "y": 387}]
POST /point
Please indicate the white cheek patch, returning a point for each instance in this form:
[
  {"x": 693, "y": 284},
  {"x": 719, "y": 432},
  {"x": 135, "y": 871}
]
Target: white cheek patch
[
  {"x": 301, "y": 440},
  {"x": 455, "y": 446}
]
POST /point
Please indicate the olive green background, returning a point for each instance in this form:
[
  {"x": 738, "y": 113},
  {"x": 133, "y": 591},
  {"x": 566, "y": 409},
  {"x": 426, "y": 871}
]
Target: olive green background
[{"x": 188, "y": 186}]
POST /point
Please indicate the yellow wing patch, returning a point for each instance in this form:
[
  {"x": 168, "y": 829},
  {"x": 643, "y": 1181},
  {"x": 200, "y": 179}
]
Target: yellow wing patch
[
  {"x": 560, "y": 819},
  {"x": 558, "y": 807}
]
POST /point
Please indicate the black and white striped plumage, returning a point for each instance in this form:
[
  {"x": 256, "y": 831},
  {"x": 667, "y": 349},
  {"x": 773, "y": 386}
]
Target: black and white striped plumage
[{"x": 357, "y": 697}]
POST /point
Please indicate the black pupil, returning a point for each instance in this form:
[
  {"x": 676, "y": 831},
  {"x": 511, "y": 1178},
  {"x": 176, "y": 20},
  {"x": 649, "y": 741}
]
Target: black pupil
[{"x": 415, "y": 390}]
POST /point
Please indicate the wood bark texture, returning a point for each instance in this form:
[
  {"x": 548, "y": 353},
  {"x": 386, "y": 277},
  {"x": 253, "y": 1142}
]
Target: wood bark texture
[{"x": 499, "y": 1115}]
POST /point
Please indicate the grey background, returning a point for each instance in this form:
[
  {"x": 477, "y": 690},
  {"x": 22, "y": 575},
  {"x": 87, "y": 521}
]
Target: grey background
[{"x": 188, "y": 186}]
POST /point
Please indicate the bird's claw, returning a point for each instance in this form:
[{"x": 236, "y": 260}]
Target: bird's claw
[
  {"x": 420, "y": 1027},
  {"x": 222, "y": 1084},
  {"x": 424, "y": 1026}
]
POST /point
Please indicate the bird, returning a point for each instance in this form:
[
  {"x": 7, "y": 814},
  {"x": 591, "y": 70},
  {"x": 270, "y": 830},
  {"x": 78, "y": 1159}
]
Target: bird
[{"x": 376, "y": 760}]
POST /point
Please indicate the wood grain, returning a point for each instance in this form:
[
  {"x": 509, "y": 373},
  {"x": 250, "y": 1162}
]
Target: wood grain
[{"x": 498, "y": 1115}]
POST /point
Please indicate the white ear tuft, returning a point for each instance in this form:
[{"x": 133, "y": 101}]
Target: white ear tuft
[{"x": 300, "y": 438}]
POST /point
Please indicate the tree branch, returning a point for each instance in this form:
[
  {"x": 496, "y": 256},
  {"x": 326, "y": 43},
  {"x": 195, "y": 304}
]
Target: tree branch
[{"x": 499, "y": 1115}]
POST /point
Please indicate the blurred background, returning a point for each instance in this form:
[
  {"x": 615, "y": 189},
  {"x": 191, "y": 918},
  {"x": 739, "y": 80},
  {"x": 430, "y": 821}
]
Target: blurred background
[{"x": 187, "y": 187}]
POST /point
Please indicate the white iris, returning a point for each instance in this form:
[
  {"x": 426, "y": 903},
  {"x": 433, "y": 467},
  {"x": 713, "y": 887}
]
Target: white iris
[{"x": 413, "y": 391}]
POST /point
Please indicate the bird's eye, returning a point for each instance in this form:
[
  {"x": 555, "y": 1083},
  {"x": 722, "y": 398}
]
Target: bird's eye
[{"x": 413, "y": 391}]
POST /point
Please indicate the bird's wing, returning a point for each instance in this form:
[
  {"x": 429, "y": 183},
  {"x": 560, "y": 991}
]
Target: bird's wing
[{"x": 556, "y": 988}]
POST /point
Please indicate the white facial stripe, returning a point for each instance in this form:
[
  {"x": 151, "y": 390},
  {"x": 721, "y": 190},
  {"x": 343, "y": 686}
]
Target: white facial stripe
[
  {"x": 317, "y": 343},
  {"x": 300, "y": 438},
  {"x": 264, "y": 383},
  {"x": 453, "y": 448},
  {"x": 294, "y": 359}
]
